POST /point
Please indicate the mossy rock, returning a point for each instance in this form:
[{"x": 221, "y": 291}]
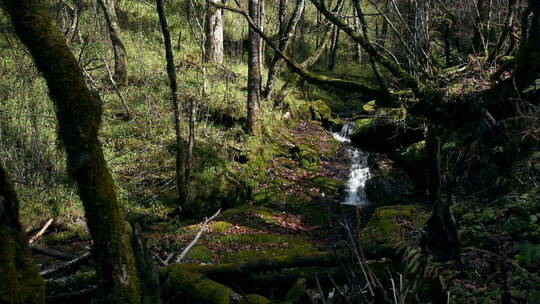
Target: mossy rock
[
  {"x": 320, "y": 111},
  {"x": 192, "y": 287},
  {"x": 214, "y": 190},
  {"x": 332, "y": 101},
  {"x": 200, "y": 254},
  {"x": 392, "y": 224},
  {"x": 384, "y": 135},
  {"x": 306, "y": 155},
  {"x": 254, "y": 299},
  {"x": 266, "y": 245}
]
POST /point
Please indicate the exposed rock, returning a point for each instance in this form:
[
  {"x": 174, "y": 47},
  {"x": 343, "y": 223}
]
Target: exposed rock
[{"x": 384, "y": 135}]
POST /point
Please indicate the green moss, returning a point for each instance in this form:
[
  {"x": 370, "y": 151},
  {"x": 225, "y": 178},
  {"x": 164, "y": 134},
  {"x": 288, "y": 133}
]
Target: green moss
[
  {"x": 392, "y": 224},
  {"x": 255, "y": 299},
  {"x": 320, "y": 111},
  {"x": 332, "y": 101},
  {"x": 267, "y": 245},
  {"x": 192, "y": 287},
  {"x": 20, "y": 282},
  {"x": 66, "y": 236},
  {"x": 370, "y": 107},
  {"x": 200, "y": 254},
  {"x": 363, "y": 124},
  {"x": 306, "y": 155},
  {"x": 220, "y": 226}
]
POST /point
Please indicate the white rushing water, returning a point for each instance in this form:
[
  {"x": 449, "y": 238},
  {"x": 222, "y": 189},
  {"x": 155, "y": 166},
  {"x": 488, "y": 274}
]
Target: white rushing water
[{"x": 359, "y": 172}]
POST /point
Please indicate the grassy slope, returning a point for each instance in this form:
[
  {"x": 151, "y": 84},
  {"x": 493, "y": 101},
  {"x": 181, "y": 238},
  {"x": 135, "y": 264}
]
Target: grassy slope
[{"x": 287, "y": 169}]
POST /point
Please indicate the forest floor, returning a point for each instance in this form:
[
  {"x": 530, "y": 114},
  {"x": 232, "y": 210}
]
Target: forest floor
[{"x": 300, "y": 218}]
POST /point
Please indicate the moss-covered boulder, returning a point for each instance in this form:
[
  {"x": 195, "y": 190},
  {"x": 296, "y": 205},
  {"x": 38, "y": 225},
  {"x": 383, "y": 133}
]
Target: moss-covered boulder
[
  {"x": 392, "y": 224},
  {"x": 320, "y": 111},
  {"x": 384, "y": 134},
  {"x": 182, "y": 285},
  {"x": 248, "y": 247},
  {"x": 323, "y": 111},
  {"x": 199, "y": 254},
  {"x": 306, "y": 155}
]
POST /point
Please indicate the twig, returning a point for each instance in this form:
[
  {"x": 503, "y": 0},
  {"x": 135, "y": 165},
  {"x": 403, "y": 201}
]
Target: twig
[
  {"x": 41, "y": 232},
  {"x": 69, "y": 266},
  {"x": 197, "y": 237}
]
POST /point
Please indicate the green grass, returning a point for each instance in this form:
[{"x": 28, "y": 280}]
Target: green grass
[{"x": 139, "y": 152}]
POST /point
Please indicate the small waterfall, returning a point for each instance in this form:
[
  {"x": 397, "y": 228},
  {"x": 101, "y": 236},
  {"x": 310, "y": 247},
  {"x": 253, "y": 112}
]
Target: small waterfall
[{"x": 359, "y": 172}]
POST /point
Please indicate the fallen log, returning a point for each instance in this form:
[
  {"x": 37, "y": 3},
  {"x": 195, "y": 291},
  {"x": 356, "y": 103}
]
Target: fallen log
[
  {"x": 41, "y": 232},
  {"x": 52, "y": 253},
  {"x": 70, "y": 266}
]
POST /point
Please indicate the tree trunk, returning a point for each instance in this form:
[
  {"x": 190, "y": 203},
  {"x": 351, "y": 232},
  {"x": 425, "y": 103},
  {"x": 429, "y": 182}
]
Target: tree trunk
[
  {"x": 20, "y": 281},
  {"x": 74, "y": 13},
  {"x": 333, "y": 50},
  {"x": 389, "y": 64},
  {"x": 254, "y": 71},
  {"x": 481, "y": 33},
  {"x": 214, "y": 34},
  {"x": 191, "y": 139},
  {"x": 120, "y": 54},
  {"x": 171, "y": 72},
  {"x": 79, "y": 115},
  {"x": 284, "y": 39}
]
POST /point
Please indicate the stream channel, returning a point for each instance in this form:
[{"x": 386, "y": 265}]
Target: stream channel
[{"x": 359, "y": 171}]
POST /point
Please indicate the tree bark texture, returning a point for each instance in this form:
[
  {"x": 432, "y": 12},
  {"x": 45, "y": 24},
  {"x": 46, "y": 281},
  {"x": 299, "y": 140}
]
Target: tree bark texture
[
  {"x": 120, "y": 54},
  {"x": 254, "y": 71},
  {"x": 214, "y": 34},
  {"x": 171, "y": 72},
  {"x": 20, "y": 282},
  {"x": 78, "y": 111}
]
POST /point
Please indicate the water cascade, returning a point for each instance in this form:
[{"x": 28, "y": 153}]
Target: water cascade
[{"x": 359, "y": 172}]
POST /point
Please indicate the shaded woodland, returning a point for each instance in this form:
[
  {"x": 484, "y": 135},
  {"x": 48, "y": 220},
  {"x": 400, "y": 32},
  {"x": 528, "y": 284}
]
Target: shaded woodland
[{"x": 269, "y": 151}]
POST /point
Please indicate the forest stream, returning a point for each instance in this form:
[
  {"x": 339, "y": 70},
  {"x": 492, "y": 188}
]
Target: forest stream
[
  {"x": 359, "y": 172},
  {"x": 269, "y": 152}
]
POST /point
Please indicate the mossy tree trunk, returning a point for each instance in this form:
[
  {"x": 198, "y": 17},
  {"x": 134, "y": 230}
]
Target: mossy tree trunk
[
  {"x": 20, "y": 282},
  {"x": 214, "y": 34},
  {"x": 78, "y": 111},
  {"x": 177, "y": 106},
  {"x": 254, "y": 70},
  {"x": 120, "y": 53}
]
